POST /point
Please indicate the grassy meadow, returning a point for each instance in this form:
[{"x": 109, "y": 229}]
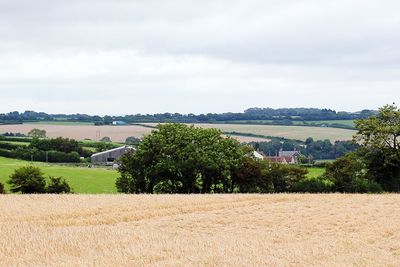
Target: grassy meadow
[
  {"x": 82, "y": 179},
  {"x": 200, "y": 230}
]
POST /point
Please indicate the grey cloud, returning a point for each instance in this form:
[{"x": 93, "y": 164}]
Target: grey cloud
[{"x": 240, "y": 51}]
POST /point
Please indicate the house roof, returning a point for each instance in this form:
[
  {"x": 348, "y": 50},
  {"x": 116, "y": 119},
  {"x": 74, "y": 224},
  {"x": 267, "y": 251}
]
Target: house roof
[
  {"x": 288, "y": 153},
  {"x": 113, "y": 150},
  {"x": 279, "y": 159}
]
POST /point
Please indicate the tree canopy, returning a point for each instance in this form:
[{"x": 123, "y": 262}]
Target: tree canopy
[{"x": 380, "y": 139}]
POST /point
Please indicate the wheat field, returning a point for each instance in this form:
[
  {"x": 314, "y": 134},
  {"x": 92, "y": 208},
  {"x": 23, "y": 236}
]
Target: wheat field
[{"x": 200, "y": 230}]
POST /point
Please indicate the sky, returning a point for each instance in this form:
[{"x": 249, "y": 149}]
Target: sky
[{"x": 147, "y": 56}]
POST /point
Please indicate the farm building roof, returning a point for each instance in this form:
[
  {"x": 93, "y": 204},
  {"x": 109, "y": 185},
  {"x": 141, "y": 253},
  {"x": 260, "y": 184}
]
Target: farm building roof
[
  {"x": 289, "y": 153},
  {"x": 112, "y": 150}
]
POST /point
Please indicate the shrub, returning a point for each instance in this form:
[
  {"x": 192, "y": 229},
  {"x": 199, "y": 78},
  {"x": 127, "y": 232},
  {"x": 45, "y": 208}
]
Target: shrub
[
  {"x": 58, "y": 185},
  {"x": 167, "y": 187},
  {"x": 284, "y": 177},
  {"x": 314, "y": 185},
  {"x": 2, "y": 190},
  {"x": 132, "y": 140},
  {"x": 106, "y": 139},
  {"x": 27, "y": 180}
]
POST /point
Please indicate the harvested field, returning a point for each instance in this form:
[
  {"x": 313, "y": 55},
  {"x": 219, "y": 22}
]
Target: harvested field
[
  {"x": 82, "y": 131},
  {"x": 210, "y": 230},
  {"x": 291, "y": 132}
]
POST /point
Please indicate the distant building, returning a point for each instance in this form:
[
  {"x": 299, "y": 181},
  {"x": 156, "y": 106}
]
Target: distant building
[
  {"x": 118, "y": 123},
  {"x": 109, "y": 157},
  {"x": 285, "y": 157},
  {"x": 258, "y": 155}
]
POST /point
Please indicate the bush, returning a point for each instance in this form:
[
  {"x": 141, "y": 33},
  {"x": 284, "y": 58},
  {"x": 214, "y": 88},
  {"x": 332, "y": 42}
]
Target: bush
[
  {"x": 285, "y": 177},
  {"x": 167, "y": 187},
  {"x": 58, "y": 185},
  {"x": 2, "y": 190},
  {"x": 27, "y": 180},
  {"x": 106, "y": 139},
  {"x": 314, "y": 185}
]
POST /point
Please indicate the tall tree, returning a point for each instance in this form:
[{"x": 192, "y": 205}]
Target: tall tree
[
  {"x": 177, "y": 158},
  {"x": 380, "y": 140}
]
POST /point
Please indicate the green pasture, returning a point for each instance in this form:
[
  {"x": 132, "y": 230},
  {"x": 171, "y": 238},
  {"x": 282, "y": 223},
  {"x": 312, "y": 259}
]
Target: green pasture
[
  {"x": 82, "y": 179},
  {"x": 314, "y": 172}
]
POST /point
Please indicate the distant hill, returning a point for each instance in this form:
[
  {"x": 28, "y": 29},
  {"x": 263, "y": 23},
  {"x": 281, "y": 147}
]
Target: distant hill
[{"x": 267, "y": 116}]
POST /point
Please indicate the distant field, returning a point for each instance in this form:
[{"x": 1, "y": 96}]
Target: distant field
[
  {"x": 200, "y": 230},
  {"x": 315, "y": 172},
  {"x": 344, "y": 122},
  {"x": 82, "y": 132},
  {"x": 61, "y": 122},
  {"x": 327, "y": 122},
  {"x": 81, "y": 179},
  {"x": 291, "y": 132},
  {"x": 15, "y": 142}
]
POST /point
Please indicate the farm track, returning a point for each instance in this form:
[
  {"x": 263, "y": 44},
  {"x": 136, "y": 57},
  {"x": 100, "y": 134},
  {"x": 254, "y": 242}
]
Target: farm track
[{"x": 185, "y": 230}]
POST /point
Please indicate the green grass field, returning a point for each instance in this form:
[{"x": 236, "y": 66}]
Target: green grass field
[
  {"x": 315, "y": 172},
  {"x": 16, "y": 143},
  {"x": 82, "y": 180}
]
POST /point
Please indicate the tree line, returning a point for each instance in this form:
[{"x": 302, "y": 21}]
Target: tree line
[{"x": 282, "y": 116}]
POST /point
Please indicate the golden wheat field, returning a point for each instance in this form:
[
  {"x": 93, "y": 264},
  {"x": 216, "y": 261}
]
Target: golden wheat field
[{"x": 200, "y": 230}]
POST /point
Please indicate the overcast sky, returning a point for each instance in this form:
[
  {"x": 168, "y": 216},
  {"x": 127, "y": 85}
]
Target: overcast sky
[{"x": 147, "y": 56}]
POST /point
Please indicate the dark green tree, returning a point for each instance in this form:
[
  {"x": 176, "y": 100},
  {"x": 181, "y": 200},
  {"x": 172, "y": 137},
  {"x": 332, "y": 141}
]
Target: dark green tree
[
  {"x": 348, "y": 174},
  {"x": 27, "y": 180},
  {"x": 177, "y": 158},
  {"x": 37, "y": 133},
  {"x": 380, "y": 140},
  {"x": 106, "y": 139},
  {"x": 58, "y": 185}
]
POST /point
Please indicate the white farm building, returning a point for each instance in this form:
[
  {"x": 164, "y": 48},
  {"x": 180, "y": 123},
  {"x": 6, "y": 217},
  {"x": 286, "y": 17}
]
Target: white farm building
[{"x": 110, "y": 156}]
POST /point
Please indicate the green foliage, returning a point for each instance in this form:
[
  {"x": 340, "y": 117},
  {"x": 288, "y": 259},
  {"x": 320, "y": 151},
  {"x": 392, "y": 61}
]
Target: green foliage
[
  {"x": 103, "y": 146},
  {"x": 58, "y": 185},
  {"x": 27, "y": 180},
  {"x": 59, "y": 144},
  {"x": 252, "y": 176},
  {"x": 181, "y": 159},
  {"x": 285, "y": 177},
  {"x": 380, "y": 138},
  {"x": 348, "y": 174},
  {"x": 37, "y": 133},
  {"x": 2, "y": 190},
  {"x": 106, "y": 139},
  {"x": 314, "y": 185},
  {"x": 168, "y": 187},
  {"x": 132, "y": 140}
]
